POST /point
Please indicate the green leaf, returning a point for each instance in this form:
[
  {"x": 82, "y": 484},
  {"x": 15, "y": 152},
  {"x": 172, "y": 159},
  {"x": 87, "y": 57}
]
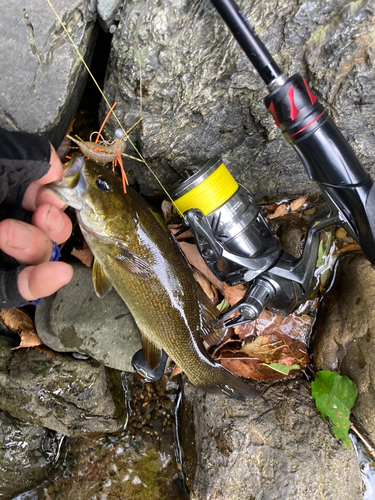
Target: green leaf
[
  {"x": 334, "y": 397},
  {"x": 279, "y": 367},
  {"x": 224, "y": 304},
  {"x": 319, "y": 260}
]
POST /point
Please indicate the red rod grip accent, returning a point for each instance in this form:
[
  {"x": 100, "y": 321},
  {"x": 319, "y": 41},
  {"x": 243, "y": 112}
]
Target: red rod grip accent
[
  {"x": 294, "y": 111},
  {"x": 308, "y": 125},
  {"x": 311, "y": 95},
  {"x": 272, "y": 109}
]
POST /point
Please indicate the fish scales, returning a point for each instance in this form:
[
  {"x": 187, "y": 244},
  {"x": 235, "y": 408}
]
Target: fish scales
[
  {"x": 164, "y": 306},
  {"x": 140, "y": 258}
]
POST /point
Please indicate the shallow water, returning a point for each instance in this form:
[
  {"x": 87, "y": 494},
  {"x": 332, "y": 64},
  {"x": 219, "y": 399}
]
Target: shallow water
[
  {"x": 367, "y": 467},
  {"x": 140, "y": 463}
]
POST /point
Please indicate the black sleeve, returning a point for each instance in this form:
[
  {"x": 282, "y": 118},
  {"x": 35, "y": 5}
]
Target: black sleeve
[
  {"x": 24, "y": 158},
  {"x": 9, "y": 294}
]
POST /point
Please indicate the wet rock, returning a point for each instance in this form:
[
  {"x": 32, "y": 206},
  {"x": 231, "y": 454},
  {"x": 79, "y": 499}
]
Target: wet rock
[
  {"x": 345, "y": 334},
  {"x": 27, "y": 455},
  {"x": 177, "y": 65},
  {"x": 42, "y": 75},
  {"x": 107, "y": 10},
  {"x": 66, "y": 395},
  {"x": 268, "y": 449},
  {"x": 75, "y": 319}
]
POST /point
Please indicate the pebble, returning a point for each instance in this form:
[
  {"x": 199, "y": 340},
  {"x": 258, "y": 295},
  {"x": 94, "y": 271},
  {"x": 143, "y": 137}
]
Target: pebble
[{"x": 340, "y": 233}]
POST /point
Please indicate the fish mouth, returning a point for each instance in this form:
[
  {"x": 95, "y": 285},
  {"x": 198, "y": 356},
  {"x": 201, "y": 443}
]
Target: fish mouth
[{"x": 73, "y": 185}]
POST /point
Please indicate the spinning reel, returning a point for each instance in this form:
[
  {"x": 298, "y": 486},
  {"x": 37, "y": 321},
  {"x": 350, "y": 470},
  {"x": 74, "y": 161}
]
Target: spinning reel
[{"x": 238, "y": 246}]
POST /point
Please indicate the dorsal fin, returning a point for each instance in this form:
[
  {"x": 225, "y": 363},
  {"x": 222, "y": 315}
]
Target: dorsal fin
[{"x": 102, "y": 284}]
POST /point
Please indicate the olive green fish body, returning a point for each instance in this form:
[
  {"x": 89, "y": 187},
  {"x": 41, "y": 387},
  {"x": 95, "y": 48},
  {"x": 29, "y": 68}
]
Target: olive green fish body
[
  {"x": 142, "y": 261},
  {"x": 162, "y": 296}
]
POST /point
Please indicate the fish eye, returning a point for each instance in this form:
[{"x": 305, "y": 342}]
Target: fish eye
[{"x": 102, "y": 185}]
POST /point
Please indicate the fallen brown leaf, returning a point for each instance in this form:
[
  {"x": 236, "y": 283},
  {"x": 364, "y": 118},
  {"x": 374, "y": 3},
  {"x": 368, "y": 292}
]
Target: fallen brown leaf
[
  {"x": 194, "y": 257},
  {"x": 285, "y": 208},
  {"x": 176, "y": 371},
  {"x": 48, "y": 351},
  {"x": 279, "y": 212},
  {"x": 84, "y": 254},
  {"x": 166, "y": 208},
  {"x": 234, "y": 293},
  {"x": 175, "y": 228},
  {"x": 348, "y": 248},
  {"x": 209, "y": 289},
  {"x": 253, "y": 369},
  {"x": 277, "y": 348},
  {"x": 271, "y": 207},
  {"x": 296, "y": 204},
  {"x": 297, "y": 327},
  {"x": 340, "y": 233},
  {"x": 20, "y": 321},
  {"x": 253, "y": 359}
]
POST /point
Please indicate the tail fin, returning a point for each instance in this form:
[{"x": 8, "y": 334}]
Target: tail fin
[{"x": 224, "y": 381}]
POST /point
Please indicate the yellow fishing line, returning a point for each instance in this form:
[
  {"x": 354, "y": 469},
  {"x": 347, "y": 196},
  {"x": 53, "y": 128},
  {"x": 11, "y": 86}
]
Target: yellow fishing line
[
  {"x": 210, "y": 194},
  {"x": 109, "y": 106}
]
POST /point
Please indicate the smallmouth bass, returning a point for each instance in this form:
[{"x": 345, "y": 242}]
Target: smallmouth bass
[{"x": 137, "y": 255}]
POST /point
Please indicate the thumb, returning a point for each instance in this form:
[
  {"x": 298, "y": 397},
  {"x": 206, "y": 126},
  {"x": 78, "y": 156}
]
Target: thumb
[{"x": 45, "y": 279}]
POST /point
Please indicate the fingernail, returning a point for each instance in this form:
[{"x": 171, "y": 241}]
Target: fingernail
[
  {"x": 54, "y": 220},
  {"x": 20, "y": 235}
]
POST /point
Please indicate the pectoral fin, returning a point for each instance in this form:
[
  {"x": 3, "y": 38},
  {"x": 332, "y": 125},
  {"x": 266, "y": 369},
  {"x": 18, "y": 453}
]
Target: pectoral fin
[
  {"x": 151, "y": 351},
  {"x": 102, "y": 284},
  {"x": 133, "y": 264}
]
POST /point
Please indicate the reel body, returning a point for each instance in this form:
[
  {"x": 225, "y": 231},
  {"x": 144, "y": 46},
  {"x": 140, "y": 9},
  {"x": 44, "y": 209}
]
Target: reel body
[{"x": 231, "y": 235}]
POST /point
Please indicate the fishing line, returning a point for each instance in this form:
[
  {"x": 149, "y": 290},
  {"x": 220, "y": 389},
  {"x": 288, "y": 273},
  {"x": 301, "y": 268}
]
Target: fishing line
[
  {"x": 210, "y": 193},
  {"x": 109, "y": 106}
]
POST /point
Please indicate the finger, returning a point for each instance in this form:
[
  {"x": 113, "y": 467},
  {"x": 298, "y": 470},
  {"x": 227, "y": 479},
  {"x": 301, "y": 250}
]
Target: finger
[
  {"x": 26, "y": 243},
  {"x": 36, "y": 195},
  {"x": 45, "y": 279},
  {"x": 55, "y": 172},
  {"x": 53, "y": 222}
]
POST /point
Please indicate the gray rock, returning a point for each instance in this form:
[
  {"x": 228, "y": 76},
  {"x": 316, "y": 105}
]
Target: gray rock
[
  {"x": 42, "y": 76},
  {"x": 271, "y": 449},
  {"x": 107, "y": 10},
  {"x": 75, "y": 319},
  {"x": 345, "y": 334},
  {"x": 177, "y": 65},
  {"x": 27, "y": 454},
  {"x": 66, "y": 395}
]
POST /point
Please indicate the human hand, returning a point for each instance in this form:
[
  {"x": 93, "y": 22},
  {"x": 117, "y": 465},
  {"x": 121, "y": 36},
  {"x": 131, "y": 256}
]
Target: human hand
[{"x": 31, "y": 244}]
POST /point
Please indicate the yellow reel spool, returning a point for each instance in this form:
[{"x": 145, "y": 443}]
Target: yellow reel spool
[{"x": 206, "y": 190}]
